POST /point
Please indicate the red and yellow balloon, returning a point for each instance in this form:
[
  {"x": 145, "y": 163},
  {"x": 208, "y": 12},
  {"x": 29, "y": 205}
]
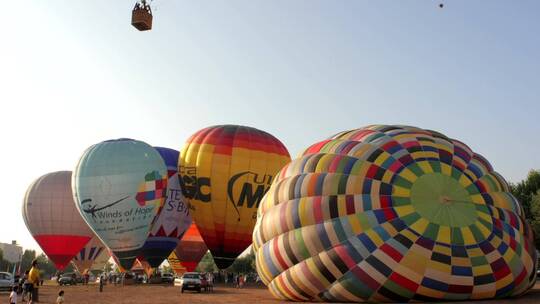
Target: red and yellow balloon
[{"x": 225, "y": 171}]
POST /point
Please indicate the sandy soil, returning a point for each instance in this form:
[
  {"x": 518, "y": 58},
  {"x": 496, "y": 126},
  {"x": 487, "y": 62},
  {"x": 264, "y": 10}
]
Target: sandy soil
[{"x": 161, "y": 294}]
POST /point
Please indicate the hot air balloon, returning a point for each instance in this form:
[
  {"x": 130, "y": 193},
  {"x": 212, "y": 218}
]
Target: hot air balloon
[
  {"x": 225, "y": 172},
  {"x": 191, "y": 248},
  {"x": 392, "y": 213},
  {"x": 142, "y": 266},
  {"x": 174, "y": 218},
  {"x": 101, "y": 260},
  {"x": 119, "y": 187},
  {"x": 51, "y": 217},
  {"x": 176, "y": 265},
  {"x": 87, "y": 255}
]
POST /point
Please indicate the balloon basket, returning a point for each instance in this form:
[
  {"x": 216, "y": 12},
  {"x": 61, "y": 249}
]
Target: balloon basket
[{"x": 141, "y": 19}]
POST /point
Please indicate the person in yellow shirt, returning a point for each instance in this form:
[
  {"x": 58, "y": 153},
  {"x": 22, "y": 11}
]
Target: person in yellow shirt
[{"x": 33, "y": 277}]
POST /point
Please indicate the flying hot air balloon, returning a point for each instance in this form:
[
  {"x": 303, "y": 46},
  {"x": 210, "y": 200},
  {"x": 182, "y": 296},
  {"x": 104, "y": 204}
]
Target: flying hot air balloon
[
  {"x": 119, "y": 187},
  {"x": 191, "y": 248},
  {"x": 174, "y": 218},
  {"x": 392, "y": 214},
  {"x": 52, "y": 218},
  {"x": 87, "y": 255},
  {"x": 225, "y": 172}
]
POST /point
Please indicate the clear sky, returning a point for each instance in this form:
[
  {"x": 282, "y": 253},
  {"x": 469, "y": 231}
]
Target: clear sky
[{"x": 73, "y": 73}]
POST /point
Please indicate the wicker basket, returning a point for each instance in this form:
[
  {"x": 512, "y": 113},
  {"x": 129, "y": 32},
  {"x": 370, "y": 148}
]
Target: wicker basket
[{"x": 141, "y": 19}]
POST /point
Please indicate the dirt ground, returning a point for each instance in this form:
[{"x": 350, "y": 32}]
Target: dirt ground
[{"x": 167, "y": 294}]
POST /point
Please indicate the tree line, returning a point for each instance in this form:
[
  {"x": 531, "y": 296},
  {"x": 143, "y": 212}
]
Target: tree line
[{"x": 527, "y": 192}]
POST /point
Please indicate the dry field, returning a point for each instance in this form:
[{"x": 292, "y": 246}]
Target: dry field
[{"x": 161, "y": 294}]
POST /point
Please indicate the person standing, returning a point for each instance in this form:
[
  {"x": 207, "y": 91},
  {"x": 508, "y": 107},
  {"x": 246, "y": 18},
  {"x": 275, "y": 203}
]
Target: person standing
[
  {"x": 13, "y": 296},
  {"x": 60, "y": 299},
  {"x": 33, "y": 277},
  {"x": 26, "y": 284},
  {"x": 101, "y": 282}
]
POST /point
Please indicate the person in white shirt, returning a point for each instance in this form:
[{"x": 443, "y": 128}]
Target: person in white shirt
[{"x": 13, "y": 296}]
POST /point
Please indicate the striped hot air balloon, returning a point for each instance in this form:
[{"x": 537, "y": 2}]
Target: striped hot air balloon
[
  {"x": 84, "y": 260},
  {"x": 225, "y": 172},
  {"x": 176, "y": 264},
  {"x": 191, "y": 248},
  {"x": 392, "y": 213}
]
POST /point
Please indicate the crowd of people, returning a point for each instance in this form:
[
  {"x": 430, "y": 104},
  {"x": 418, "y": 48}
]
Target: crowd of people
[{"x": 27, "y": 286}]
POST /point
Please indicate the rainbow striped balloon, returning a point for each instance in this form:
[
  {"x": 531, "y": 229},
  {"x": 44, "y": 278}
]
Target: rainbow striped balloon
[{"x": 392, "y": 213}]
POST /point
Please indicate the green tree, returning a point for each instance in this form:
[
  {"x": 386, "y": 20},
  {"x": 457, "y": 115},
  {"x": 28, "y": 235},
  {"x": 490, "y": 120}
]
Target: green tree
[
  {"x": 4, "y": 265},
  {"x": 166, "y": 269},
  {"x": 108, "y": 266},
  {"x": 243, "y": 264},
  {"x": 48, "y": 268},
  {"x": 26, "y": 260},
  {"x": 525, "y": 190},
  {"x": 535, "y": 214},
  {"x": 207, "y": 264}
]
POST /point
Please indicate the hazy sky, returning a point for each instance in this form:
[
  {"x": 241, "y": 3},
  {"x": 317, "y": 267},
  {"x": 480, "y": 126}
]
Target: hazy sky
[{"x": 73, "y": 73}]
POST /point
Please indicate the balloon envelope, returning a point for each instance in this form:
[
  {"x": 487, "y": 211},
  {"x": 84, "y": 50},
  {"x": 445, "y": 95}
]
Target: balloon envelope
[
  {"x": 84, "y": 260},
  {"x": 176, "y": 264},
  {"x": 225, "y": 171},
  {"x": 51, "y": 217},
  {"x": 191, "y": 248},
  {"x": 174, "y": 218},
  {"x": 392, "y": 213},
  {"x": 119, "y": 186},
  {"x": 101, "y": 260},
  {"x": 142, "y": 266}
]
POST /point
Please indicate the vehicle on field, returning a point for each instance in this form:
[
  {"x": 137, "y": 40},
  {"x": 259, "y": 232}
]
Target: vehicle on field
[
  {"x": 191, "y": 281},
  {"x": 68, "y": 278},
  {"x": 6, "y": 281},
  {"x": 167, "y": 278}
]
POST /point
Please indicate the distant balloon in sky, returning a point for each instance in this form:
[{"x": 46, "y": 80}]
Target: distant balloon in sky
[
  {"x": 191, "y": 248},
  {"x": 87, "y": 255},
  {"x": 174, "y": 218},
  {"x": 392, "y": 214},
  {"x": 119, "y": 187},
  {"x": 51, "y": 217},
  {"x": 225, "y": 172}
]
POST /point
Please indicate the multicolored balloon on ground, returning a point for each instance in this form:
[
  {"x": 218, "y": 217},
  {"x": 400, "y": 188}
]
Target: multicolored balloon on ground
[
  {"x": 174, "y": 218},
  {"x": 51, "y": 217},
  {"x": 119, "y": 187},
  {"x": 225, "y": 172},
  {"x": 392, "y": 213},
  {"x": 191, "y": 248},
  {"x": 84, "y": 260}
]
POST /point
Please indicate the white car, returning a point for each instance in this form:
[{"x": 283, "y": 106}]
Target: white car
[
  {"x": 6, "y": 281},
  {"x": 190, "y": 281}
]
